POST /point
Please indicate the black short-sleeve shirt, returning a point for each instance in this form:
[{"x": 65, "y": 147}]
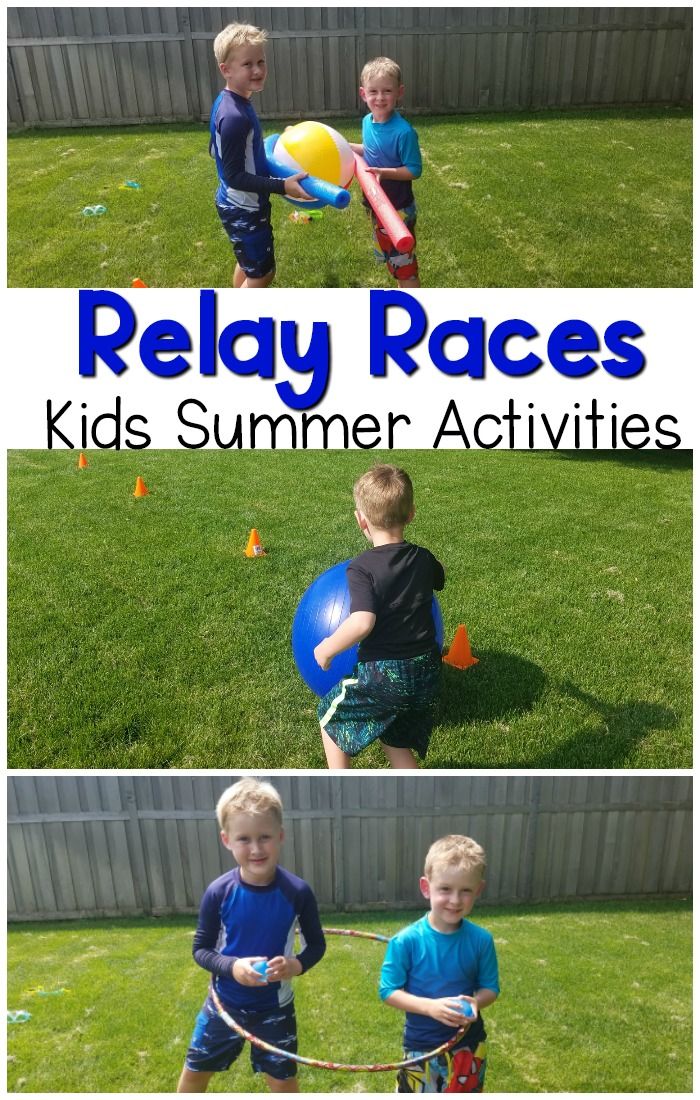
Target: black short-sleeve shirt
[{"x": 396, "y": 583}]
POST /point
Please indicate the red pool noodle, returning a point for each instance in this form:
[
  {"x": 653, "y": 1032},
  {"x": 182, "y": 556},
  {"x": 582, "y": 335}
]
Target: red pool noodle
[{"x": 373, "y": 191}]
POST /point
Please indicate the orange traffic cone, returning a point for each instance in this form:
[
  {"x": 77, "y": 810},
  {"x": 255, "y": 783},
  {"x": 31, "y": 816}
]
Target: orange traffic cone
[
  {"x": 459, "y": 654},
  {"x": 82, "y": 462},
  {"x": 254, "y": 549},
  {"x": 139, "y": 283},
  {"x": 140, "y": 490}
]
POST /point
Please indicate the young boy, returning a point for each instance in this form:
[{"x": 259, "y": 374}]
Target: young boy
[
  {"x": 247, "y": 915},
  {"x": 243, "y": 196},
  {"x": 390, "y": 696},
  {"x": 390, "y": 148},
  {"x": 439, "y": 963}
]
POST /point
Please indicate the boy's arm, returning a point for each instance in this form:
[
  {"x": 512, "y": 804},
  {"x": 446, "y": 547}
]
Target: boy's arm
[
  {"x": 356, "y": 627},
  {"x": 313, "y": 939},
  {"x": 282, "y": 967},
  {"x": 233, "y": 133},
  {"x": 206, "y": 936},
  {"x": 401, "y": 173}
]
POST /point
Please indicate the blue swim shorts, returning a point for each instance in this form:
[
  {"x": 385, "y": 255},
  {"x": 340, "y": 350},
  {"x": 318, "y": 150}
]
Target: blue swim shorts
[
  {"x": 215, "y": 1046},
  {"x": 250, "y": 233}
]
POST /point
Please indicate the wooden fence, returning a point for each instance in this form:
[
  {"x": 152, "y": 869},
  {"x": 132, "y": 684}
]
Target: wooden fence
[
  {"x": 115, "y": 65},
  {"x": 119, "y": 845}
]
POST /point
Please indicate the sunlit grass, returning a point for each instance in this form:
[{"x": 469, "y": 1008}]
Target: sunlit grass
[
  {"x": 582, "y": 198},
  {"x": 141, "y": 636},
  {"x": 582, "y": 989}
]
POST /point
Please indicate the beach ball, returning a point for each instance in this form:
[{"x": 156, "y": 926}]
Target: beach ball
[
  {"x": 321, "y": 610},
  {"x": 317, "y": 149}
]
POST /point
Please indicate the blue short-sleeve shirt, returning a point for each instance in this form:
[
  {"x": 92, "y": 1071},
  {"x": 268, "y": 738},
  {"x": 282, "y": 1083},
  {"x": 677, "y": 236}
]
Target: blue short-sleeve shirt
[
  {"x": 428, "y": 963},
  {"x": 393, "y": 144}
]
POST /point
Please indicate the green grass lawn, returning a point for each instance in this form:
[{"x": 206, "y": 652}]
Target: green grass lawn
[
  {"x": 576, "y": 198},
  {"x": 589, "y": 1003},
  {"x": 140, "y": 635}
]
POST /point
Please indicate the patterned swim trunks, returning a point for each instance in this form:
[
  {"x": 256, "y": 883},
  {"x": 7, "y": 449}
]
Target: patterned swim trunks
[
  {"x": 390, "y": 701},
  {"x": 250, "y": 234},
  {"x": 402, "y": 265},
  {"x": 456, "y": 1071},
  {"x": 214, "y": 1046}
]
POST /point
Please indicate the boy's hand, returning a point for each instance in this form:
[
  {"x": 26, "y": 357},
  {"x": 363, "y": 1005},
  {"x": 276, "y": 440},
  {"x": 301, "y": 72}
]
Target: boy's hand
[
  {"x": 447, "y": 1011},
  {"x": 320, "y": 656},
  {"x": 243, "y": 973},
  {"x": 292, "y": 188},
  {"x": 380, "y": 173},
  {"x": 281, "y": 968}
]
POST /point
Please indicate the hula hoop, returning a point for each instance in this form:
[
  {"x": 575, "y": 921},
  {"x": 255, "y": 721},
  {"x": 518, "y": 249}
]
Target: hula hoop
[{"x": 316, "y": 1063}]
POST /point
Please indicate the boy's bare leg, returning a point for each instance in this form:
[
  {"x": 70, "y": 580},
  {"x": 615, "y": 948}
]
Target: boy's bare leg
[
  {"x": 241, "y": 281},
  {"x": 192, "y": 1080},
  {"x": 335, "y": 757},
  {"x": 399, "y": 758},
  {"x": 291, "y": 1084}
]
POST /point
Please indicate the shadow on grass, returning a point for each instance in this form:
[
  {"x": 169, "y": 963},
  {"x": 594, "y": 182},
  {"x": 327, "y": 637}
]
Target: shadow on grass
[
  {"x": 661, "y": 461},
  {"x": 623, "y": 725},
  {"x": 504, "y": 685}
]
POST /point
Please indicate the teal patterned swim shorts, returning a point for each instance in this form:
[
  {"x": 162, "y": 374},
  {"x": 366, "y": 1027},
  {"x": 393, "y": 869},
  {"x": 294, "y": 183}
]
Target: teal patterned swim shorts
[{"x": 390, "y": 701}]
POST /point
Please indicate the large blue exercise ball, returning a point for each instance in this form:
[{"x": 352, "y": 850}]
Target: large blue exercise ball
[{"x": 321, "y": 610}]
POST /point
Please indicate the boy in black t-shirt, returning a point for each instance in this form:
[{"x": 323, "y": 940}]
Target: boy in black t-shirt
[{"x": 391, "y": 694}]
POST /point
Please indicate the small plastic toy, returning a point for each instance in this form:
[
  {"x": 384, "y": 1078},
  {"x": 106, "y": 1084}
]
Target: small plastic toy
[
  {"x": 321, "y": 610},
  {"x": 467, "y": 1009},
  {"x": 129, "y": 185},
  {"x": 305, "y": 217},
  {"x": 94, "y": 211},
  {"x": 261, "y": 968},
  {"x": 18, "y": 1016}
]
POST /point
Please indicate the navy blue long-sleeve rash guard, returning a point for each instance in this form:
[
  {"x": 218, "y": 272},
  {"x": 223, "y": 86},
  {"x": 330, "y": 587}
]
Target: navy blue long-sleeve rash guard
[{"x": 237, "y": 920}]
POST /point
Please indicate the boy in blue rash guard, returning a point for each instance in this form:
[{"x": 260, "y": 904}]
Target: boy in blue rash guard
[
  {"x": 248, "y": 915},
  {"x": 438, "y": 962},
  {"x": 245, "y": 185},
  {"x": 390, "y": 148}
]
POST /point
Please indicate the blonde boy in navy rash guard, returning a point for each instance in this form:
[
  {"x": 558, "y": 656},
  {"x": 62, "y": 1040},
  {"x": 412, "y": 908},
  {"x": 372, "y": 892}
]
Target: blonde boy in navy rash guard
[
  {"x": 390, "y": 148},
  {"x": 439, "y": 963},
  {"x": 248, "y": 915},
  {"x": 390, "y": 697},
  {"x": 245, "y": 185}
]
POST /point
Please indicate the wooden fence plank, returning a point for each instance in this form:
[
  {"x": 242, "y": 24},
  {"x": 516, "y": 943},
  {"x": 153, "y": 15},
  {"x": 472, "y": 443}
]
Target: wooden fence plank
[
  {"x": 120, "y": 844},
  {"x": 73, "y": 66}
]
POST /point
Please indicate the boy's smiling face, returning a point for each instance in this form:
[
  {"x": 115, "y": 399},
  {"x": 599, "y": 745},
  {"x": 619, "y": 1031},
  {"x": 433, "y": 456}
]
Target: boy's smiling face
[
  {"x": 255, "y": 841},
  {"x": 245, "y": 70},
  {"x": 451, "y": 892},
  {"x": 381, "y": 94}
]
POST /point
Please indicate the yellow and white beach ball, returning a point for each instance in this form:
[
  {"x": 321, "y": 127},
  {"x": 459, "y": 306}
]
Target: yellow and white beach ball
[{"x": 317, "y": 149}]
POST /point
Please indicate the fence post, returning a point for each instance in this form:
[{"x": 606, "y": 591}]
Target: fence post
[
  {"x": 533, "y": 821},
  {"x": 142, "y": 892},
  {"x": 189, "y": 68},
  {"x": 337, "y": 845}
]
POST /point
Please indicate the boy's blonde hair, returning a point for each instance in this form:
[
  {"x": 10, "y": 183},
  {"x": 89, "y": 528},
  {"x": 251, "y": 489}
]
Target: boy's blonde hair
[
  {"x": 248, "y": 796},
  {"x": 380, "y": 66},
  {"x": 235, "y": 35},
  {"x": 384, "y": 495},
  {"x": 455, "y": 851}
]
